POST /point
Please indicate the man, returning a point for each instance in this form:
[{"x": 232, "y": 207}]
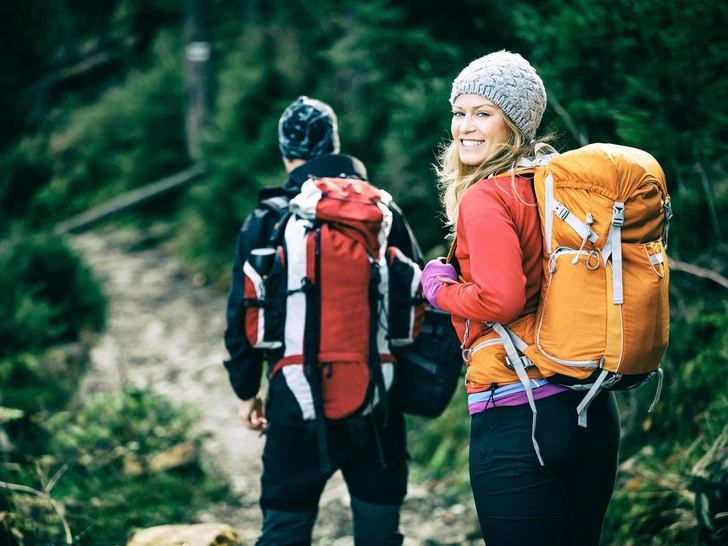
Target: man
[{"x": 369, "y": 450}]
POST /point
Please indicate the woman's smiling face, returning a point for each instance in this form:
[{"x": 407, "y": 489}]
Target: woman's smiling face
[{"x": 477, "y": 127}]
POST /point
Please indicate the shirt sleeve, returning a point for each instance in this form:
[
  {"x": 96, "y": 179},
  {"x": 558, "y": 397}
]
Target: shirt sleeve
[
  {"x": 496, "y": 291},
  {"x": 245, "y": 364}
]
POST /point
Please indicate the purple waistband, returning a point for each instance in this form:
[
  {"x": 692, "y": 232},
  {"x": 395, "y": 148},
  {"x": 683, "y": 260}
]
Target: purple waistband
[{"x": 513, "y": 399}]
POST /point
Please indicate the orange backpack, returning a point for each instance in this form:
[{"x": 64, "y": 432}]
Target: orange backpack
[{"x": 603, "y": 317}]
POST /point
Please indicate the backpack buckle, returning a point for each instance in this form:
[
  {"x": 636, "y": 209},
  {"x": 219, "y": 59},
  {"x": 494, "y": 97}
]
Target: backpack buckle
[
  {"x": 561, "y": 211},
  {"x": 306, "y": 285},
  {"x": 525, "y": 362},
  {"x": 618, "y": 214}
]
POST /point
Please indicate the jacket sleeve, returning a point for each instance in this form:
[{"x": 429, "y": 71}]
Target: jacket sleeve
[
  {"x": 496, "y": 291},
  {"x": 245, "y": 364},
  {"x": 402, "y": 237}
]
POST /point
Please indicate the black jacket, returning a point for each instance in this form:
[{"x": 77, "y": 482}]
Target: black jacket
[{"x": 245, "y": 363}]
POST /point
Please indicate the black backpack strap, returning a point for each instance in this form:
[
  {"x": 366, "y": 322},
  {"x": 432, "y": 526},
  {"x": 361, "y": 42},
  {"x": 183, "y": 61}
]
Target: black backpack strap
[
  {"x": 275, "y": 201},
  {"x": 279, "y": 230},
  {"x": 277, "y": 204},
  {"x": 271, "y": 191},
  {"x": 375, "y": 362},
  {"x": 311, "y": 339}
]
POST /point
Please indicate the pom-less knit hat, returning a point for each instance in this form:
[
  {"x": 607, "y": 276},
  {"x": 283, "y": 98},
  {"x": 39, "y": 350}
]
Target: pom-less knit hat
[
  {"x": 308, "y": 129},
  {"x": 509, "y": 81}
]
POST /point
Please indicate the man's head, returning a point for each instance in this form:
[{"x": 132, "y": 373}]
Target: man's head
[{"x": 308, "y": 129}]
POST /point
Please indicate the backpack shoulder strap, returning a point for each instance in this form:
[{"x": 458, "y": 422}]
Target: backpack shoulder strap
[
  {"x": 451, "y": 258},
  {"x": 275, "y": 201}
]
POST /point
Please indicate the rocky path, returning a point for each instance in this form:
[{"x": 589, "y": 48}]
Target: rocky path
[{"x": 165, "y": 330}]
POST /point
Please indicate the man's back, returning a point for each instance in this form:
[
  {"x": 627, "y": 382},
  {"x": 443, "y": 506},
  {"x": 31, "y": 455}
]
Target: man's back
[{"x": 369, "y": 447}]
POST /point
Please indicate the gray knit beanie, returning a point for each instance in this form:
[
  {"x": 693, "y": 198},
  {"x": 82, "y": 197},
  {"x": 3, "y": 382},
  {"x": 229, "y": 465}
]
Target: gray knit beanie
[
  {"x": 308, "y": 129},
  {"x": 509, "y": 81}
]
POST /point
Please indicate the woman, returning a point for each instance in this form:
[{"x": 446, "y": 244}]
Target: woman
[{"x": 536, "y": 480}]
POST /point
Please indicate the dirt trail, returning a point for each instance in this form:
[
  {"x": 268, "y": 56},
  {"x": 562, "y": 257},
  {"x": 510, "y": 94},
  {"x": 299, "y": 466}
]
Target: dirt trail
[{"x": 165, "y": 330}]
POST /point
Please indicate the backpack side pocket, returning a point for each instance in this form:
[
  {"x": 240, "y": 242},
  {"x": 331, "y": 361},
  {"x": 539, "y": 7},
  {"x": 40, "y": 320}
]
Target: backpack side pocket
[
  {"x": 260, "y": 332},
  {"x": 644, "y": 316},
  {"x": 406, "y": 306}
]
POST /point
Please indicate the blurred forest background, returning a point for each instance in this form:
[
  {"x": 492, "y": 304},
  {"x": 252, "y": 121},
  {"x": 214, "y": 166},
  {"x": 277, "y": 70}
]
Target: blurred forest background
[{"x": 99, "y": 98}]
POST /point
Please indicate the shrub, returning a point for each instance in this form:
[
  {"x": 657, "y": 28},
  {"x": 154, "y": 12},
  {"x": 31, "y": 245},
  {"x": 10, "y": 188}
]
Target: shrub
[
  {"x": 99, "y": 474},
  {"x": 49, "y": 296}
]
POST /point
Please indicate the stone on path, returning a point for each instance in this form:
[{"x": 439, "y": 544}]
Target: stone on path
[{"x": 200, "y": 534}]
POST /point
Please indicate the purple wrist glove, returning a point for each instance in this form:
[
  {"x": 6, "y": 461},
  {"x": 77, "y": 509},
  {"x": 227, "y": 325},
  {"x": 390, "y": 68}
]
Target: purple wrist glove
[{"x": 430, "y": 284}]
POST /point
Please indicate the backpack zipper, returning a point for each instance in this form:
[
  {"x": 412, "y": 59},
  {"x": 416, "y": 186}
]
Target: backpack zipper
[{"x": 468, "y": 353}]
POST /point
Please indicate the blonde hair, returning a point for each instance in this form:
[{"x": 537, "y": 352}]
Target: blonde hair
[{"x": 454, "y": 177}]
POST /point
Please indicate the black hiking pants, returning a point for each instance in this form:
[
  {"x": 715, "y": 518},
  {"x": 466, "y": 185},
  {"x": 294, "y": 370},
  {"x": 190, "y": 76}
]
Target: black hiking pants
[
  {"x": 519, "y": 501},
  {"x": 292, "y": 480}
]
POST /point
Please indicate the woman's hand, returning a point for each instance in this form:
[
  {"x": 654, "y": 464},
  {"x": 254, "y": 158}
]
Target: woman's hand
[{"x": 435, "y": 275}]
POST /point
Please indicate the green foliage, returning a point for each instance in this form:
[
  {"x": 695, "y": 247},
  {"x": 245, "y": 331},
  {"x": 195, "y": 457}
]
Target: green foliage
[
  {"x": 653, "y": 503},
  {"x": 241, "y": 161},
  {"x": 645, "y": 73},
  {"x": 137, "y": 421},
  {"x": 133, "y": 135},
  {"x": 10, "y": 414},
  {"x": 50, "y": 296},
  {"x": 44, "y": 382},
  {"x": 410, "y": 176},
  {"x": 24, "y": 170},
  {"x": 99, "y": 471},
  {"x": 439, "y": 447}
]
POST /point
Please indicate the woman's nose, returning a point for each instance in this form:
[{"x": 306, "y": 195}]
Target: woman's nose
[{"x": 466, "y": 124}]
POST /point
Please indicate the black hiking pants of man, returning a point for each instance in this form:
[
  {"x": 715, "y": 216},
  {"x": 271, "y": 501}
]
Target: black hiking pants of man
[
  {"x": 563, "y": 503},
  {"x": 292, "y": 480}
]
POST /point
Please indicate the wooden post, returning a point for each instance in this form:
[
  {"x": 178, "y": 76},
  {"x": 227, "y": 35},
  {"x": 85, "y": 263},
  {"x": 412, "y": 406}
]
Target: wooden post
[{"x": 198, "y": 72}]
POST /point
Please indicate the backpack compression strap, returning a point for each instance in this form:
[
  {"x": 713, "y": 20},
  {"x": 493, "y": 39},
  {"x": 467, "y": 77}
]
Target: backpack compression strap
[
  {"x": 311, "y": 338},
  {"x": 513, "y": 344},
  {"x": 613, "y": 248},
  {"x": 375, "y": 362}
]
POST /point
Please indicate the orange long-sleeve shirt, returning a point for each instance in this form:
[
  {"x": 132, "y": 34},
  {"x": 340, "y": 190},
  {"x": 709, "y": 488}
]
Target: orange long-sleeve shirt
[{"x": 498, "y": 248}]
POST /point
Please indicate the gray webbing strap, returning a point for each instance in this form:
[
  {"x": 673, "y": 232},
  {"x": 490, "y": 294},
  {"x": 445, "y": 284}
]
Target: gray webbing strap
[
  {"x": 520, "y": 369},
  {"x": 613, "y": 248},
  {"x": 596, "y": 388},
  {"x": 517, "y": 341},
  {"x": 668, "y": 217},
  {"x": 544, "y": 155},
  {"x": 660, "y": 377},
  {"x": 577, "y": 225},
  {"x": 615, "y": 236}
]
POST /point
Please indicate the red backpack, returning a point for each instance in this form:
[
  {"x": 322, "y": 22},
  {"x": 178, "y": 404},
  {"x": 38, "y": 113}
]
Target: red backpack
[{"x": 333, "y": 300}]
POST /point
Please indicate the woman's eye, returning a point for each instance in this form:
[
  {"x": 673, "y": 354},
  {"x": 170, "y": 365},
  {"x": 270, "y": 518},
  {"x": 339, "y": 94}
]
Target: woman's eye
[
  {"x": 457, "y": 114},
  {"x": 482, "y": 114}
]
